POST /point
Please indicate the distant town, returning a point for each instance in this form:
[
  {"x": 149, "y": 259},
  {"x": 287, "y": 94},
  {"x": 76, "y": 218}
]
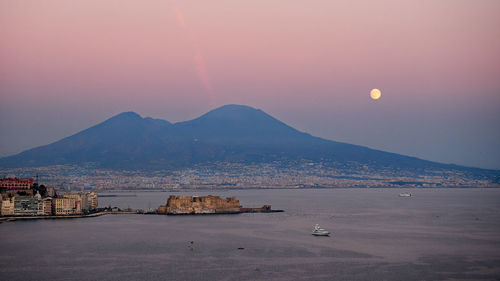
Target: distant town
[{"x": 299, "y": 174}]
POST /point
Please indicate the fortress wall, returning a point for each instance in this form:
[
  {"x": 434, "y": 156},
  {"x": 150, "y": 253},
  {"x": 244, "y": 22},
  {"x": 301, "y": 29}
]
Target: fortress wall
[{"x": 200, "y": 205}]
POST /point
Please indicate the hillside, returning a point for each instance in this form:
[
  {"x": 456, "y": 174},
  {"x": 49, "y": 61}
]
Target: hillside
[{"x": 231, "y": 133}]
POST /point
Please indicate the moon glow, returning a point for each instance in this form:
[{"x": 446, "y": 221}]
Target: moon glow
[{"x": 375, "y": 94}]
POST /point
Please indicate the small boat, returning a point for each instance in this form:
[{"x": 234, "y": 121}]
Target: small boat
[
  {"x": 404, "y": 194},
  {"x": 318, "y": 231}
]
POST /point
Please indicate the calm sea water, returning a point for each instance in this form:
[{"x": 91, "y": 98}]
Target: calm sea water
[{"x": 437, "y": 234}]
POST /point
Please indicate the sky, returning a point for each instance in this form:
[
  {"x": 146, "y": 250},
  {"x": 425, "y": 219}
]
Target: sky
[{"x": 67, "y": 65}]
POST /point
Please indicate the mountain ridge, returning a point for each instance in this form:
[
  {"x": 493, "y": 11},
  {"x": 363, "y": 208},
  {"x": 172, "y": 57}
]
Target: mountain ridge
[{"x": 230, "y": 133}]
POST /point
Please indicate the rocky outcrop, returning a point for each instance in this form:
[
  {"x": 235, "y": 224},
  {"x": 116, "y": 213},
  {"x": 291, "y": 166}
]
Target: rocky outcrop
[{"x": 200, "y": 205}]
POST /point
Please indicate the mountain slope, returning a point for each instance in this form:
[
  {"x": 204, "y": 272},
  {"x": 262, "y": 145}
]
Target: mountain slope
[
  {"x": 240, "y": 125},
  {"x": 231, "y": 133},
  {"x": 116, "y": 142}
]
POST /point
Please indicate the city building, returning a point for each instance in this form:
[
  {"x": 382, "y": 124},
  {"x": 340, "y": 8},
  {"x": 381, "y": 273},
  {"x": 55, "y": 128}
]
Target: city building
[
  {"x": 16, "y": 184},
  {"x": 88, "y": 200},
  {"x": 66, "y": 206},
  {"x": 79, "y": 197},
  {"x": 26, "y": 205},
  {"x": 7, "y": 206},
  {"x": 93, "y": 201},
  {"x": 45, "y": 207}
]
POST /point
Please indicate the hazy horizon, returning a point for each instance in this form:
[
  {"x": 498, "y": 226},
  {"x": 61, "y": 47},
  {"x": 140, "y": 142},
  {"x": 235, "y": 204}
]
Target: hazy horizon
[{"x": 66, "y": 66}]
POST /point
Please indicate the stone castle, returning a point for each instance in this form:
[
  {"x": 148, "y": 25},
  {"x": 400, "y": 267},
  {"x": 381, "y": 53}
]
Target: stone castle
[{"x": 200, "y": 205}]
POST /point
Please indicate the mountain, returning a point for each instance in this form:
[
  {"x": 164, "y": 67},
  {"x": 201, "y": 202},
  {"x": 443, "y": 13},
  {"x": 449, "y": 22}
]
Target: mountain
[
  {"x": 237, "y": 124},
  {"x": 231, "y": 133},
  {"x": 117, "y": 142}
]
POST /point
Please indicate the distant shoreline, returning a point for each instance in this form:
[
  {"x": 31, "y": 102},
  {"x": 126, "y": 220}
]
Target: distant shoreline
[
  {"x": 116, "y": 195},
  {"x": 105, "y": 193}
]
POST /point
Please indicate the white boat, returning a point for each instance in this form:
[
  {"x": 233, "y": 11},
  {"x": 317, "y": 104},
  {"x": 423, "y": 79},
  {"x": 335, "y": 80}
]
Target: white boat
[
  {"x": 318, "y": 231},
  {"x": 404, "y": 194}
]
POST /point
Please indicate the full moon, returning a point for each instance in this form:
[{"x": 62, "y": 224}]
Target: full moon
[{"x": 375, "y": 94}]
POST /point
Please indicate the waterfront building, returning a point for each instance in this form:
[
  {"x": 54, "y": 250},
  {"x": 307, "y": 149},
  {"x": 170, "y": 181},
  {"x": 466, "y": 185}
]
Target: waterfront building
[
  {"x": 7, "y": 206},
  {"x": 87, "y": 200},
  {"x": 16, "y": 184},
  {"x": 45, "y": 206},
  {"x": 65, "y": 206},
  {"x": 80, "y": 199},
  {"x": 26, "y": 205},
  {"x": 39, "y": 206},
  {"x": 93, "y": 201}
]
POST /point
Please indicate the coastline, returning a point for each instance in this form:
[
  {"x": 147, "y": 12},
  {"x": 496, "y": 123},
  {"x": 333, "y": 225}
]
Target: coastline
[
  {"x": 244, "y": 210},
  {"x": 15, "y": 218},
  {"x": 104, "y": 193}
]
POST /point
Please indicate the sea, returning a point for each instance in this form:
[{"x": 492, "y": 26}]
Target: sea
[{"x": 436, "y": 234}]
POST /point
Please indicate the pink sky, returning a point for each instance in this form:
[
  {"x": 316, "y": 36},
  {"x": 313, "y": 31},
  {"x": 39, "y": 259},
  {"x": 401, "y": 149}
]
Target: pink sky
[{"x": 66, "y": 65}]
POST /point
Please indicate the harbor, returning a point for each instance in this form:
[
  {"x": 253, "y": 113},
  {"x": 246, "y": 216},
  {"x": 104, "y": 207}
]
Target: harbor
[{"x": 437, "y": 231}]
